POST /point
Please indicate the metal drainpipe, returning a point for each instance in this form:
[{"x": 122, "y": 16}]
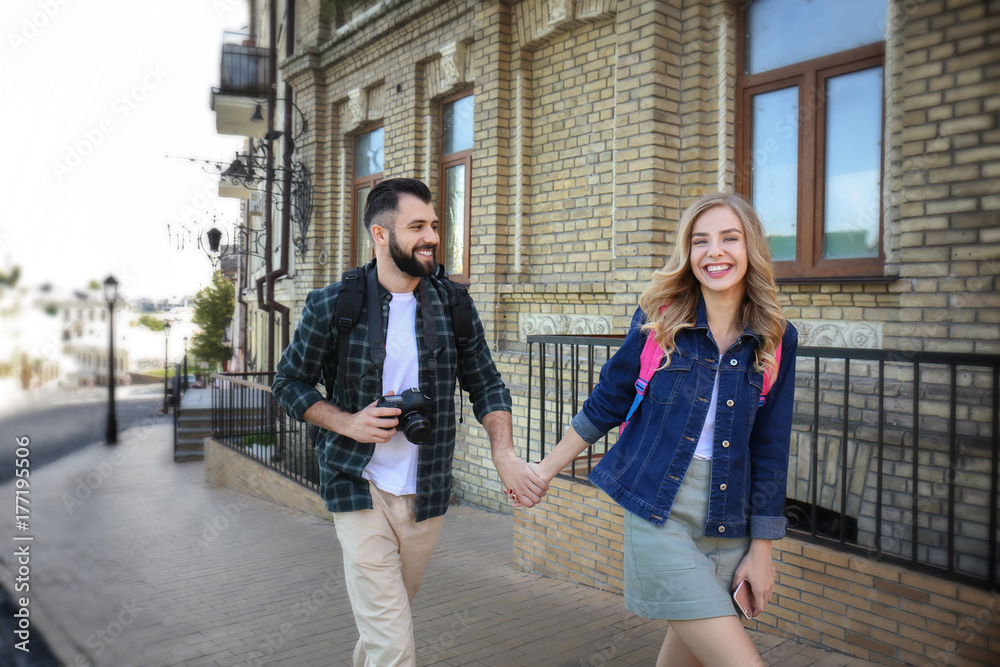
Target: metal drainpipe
[
  {"x": 272, "y": 306},
  {"x": 272, "y": 65}
]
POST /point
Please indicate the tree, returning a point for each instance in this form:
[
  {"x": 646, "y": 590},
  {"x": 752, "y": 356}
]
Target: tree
[
  {"x": 10, "y": 278},
  {"x": 213, "y": 309},
  {"x": 150, "y": 322}
]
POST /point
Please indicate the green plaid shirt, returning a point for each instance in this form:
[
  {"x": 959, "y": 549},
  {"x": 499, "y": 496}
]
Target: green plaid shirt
[{"x": 312, "y": 358}]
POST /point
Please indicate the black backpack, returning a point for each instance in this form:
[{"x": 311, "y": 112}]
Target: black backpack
[
  {"x": 350, "y": 301},
  {"x": 353, "y": 292}
]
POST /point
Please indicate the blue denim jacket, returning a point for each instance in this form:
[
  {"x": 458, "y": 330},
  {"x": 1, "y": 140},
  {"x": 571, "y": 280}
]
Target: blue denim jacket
[{"x": 643, "y": 470}]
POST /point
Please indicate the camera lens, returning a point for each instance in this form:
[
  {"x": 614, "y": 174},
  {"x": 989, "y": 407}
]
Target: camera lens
[{"x": 416, "y": 428}]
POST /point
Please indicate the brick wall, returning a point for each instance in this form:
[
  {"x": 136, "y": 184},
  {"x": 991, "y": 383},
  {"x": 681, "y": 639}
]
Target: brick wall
[
  {"x": 596, "y": 123},
  {"x": 857, "y": 605},
  {"x": 946, "y": 175},
  {"x": 229, "y": 468}
]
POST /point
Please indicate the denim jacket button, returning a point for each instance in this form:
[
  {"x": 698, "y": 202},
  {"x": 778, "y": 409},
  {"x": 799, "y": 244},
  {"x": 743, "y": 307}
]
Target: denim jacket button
[
  {"x": 725, "y": 443},
  {"x": 722, "y": 529},
  {"x": 730, "y": 403},
  {"x": 722, "y": 487},
  {"x": 733, "y": 362}
]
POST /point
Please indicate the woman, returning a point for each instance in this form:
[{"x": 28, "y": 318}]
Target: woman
[{"x": 701, "y": 467}]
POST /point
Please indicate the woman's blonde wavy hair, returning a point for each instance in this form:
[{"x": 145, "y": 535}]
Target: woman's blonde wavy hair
[{"x": 676, "y": 287}]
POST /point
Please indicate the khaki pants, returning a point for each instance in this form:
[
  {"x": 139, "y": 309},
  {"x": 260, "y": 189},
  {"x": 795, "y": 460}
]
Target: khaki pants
[{"x": 385, "y": 555}]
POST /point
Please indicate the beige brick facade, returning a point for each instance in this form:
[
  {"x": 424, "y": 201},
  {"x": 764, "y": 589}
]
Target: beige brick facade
[
  {"x": 849, "y": 603},
  {"x": 227, "y": 467},
  {"x": 596, "y": 123}
]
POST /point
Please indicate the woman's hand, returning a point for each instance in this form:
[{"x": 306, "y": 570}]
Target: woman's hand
[
  {"x": 756, "y": 568},
  {"x": 542, "y": 474}
]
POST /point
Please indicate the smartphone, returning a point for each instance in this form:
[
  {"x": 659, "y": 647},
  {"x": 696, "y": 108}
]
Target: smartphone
[{"x": 743, "y": 596}]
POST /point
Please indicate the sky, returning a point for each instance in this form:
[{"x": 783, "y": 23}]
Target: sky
[{"x": 95, "y": 96}]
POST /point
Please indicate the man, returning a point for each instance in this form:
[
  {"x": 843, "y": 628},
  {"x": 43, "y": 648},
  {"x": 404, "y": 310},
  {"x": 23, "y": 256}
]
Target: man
[{"x": 388, "y": 495}]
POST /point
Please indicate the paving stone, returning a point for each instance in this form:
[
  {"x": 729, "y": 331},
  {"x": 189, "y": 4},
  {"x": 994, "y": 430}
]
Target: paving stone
[{"x": 157, "y": 567}]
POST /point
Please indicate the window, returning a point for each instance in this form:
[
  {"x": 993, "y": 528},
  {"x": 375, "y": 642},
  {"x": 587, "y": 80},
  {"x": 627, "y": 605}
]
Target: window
[
  {"x": 456, "y": 185},
  {"x": 809, "y": 133},
  {"x": 368, "y": 158}
]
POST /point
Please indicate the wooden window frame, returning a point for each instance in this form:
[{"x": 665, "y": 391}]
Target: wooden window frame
[
  {"x": 447, "y": 162},
  {"x": 359, "y": 183},
  {"x": 810, "y": 76}
]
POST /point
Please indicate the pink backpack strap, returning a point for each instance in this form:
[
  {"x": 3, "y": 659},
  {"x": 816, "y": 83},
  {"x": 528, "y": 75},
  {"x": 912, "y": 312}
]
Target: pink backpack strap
[
  {"x": 649, "y": 361},
  {"x": 770, "y": 373}
]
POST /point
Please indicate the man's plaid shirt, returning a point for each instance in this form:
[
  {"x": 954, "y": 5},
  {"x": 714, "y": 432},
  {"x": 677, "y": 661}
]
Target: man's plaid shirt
[{"x": 312, "y": 358}]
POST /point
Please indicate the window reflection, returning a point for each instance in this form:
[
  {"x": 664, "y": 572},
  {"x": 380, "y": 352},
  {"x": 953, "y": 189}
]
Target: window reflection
[
  {"x": 454, "y": 237},
  {"x": 775, "y": 165},
  {"x": 456, "y": 177},
  {"x": 458, "y": 125},
  {"x": 369, "y": 153},
  {"x": 853, "y": 165},
  {"x": 362, "y": 244},
  {"x": 792, "y": 31}
]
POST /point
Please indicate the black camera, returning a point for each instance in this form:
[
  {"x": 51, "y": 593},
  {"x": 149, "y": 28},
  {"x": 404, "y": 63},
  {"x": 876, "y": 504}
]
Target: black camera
[{"x": 414, "y": 407}]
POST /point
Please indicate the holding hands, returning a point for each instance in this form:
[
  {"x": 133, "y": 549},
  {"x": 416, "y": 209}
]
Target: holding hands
[
  {"x": 526, "y": 501},
  {"x": 568, "y": 448},
  {"x": 521, "y": 481}
]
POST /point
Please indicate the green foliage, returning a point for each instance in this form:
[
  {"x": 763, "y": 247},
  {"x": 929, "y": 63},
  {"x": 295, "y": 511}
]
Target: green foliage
[
  {"x": 10, "y": 279},
  {"x": 337, "y": 10},
  {"x": 213, "y": 310},
  {"x": 94, "y": 285},
  {"x": 259, "y": 440},
  {"x": 150, "y": 322}
]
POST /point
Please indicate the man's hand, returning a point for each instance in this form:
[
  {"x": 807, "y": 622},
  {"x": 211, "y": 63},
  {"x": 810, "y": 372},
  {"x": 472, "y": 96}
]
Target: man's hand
[
  {"x": 537, "y": 469},
  {"x": 526, "y": 487},
  {"x": 514, "y": 472},
  {"x": 369, "y": 425},
  {"x": 373, "y": 424}
]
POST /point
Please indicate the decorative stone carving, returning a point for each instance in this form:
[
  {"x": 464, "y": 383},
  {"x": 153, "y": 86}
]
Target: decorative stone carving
[
  {"x": 453, "y": 65},
  {"x": 559, "y": 11},
  {"x": 561, "y": 325},
  {"x": 358, "y": 104},
  {"x": 827, "y": 333}
]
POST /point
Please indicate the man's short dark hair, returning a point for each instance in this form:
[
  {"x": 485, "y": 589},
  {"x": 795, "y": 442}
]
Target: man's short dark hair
[{"x": 384, "y": 198}]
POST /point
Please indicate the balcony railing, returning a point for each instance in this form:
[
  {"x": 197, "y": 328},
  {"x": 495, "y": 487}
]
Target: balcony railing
[
  {"x": 247, "y": 419},
  {"x": 894, "y": 454},
  {"x": 244, "y": 69}
]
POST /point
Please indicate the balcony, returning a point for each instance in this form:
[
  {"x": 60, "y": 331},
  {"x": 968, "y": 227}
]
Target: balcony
[{"x": 244, "y": 82}]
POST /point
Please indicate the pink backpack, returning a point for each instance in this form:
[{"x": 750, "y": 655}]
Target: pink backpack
[{"x": 649, "y": 361}]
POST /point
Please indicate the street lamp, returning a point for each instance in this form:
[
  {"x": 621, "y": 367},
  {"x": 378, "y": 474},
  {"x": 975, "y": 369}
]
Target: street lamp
[
  {"x": 166, "y": 369},
  {"x": 185, "y": 363},
  {"x": 111, "y": 295}
]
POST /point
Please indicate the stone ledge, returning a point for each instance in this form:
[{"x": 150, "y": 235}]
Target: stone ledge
[{"x": 228, "y": 468}]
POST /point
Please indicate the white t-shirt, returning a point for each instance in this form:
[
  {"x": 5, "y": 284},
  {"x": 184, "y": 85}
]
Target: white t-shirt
[
  {"x": 706, "y": 442},
  {"x": 393, "y": 467}
]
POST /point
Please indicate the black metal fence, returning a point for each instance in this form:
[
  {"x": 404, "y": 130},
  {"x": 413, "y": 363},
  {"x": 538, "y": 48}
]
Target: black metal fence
[
  {"x": 244, "y": 70},
  {"x": 894, "y": 454},
  {"x": 247, "y": 419}
]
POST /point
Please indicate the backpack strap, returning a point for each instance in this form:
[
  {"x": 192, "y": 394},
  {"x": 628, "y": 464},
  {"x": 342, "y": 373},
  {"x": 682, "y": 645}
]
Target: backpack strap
[
  {"x": 769, "y": 376},
  {"x": 348, "y": 310},
  {"x": 462, "y": 312},
  {"x": 649, "y": 361},
  {"x": 460, "y": 305}
]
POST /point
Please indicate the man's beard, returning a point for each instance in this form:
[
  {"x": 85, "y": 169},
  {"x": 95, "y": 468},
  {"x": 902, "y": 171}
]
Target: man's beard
[{"x": 408, "y": 263}]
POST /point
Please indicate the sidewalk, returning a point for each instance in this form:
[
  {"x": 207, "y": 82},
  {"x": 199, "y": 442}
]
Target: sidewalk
[{"x": 136, "y": 560}]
